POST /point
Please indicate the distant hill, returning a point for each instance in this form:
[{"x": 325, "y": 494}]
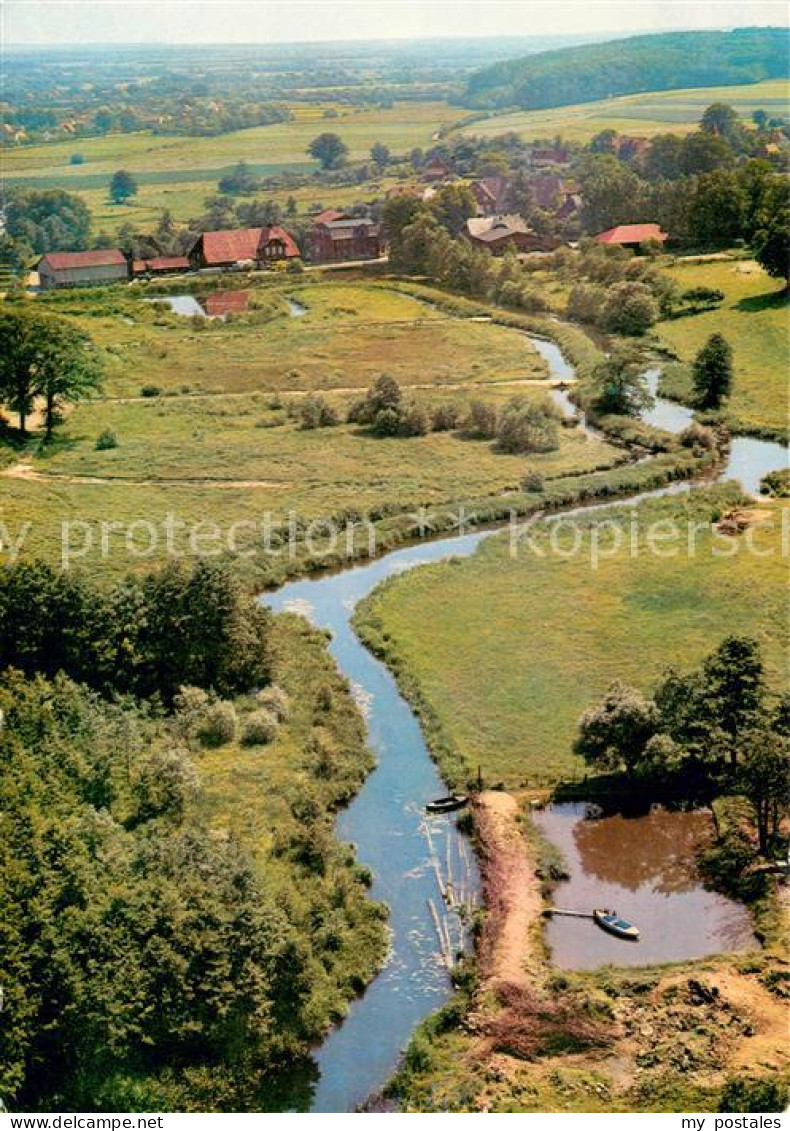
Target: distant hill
[{"x": 630, "y": 66}]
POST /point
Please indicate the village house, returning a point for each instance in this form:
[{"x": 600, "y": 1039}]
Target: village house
[
  {"x": 346, "y": 239},
  {"x": 328, "y": 215},
  {"x": 82, "y": 268},
  {"x": 491, "y": 195},
  {"x": 632, "y": 148},
  {"x": 553, "y": 193},
  {"x": 436, "y": 170},
  {"x": 498, "y": 233},
  {"x": 632, "y": 235},
  {"x": 243, "y": 247},
  {"x": 540, "y": 157}
]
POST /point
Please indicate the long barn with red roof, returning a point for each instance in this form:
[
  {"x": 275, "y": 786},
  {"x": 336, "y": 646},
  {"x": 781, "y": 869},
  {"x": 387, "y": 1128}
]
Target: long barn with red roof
[{"x": 82, "y": 268}]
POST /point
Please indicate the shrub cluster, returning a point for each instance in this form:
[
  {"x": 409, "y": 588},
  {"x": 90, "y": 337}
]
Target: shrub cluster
[{"x": 524, "y": 425}]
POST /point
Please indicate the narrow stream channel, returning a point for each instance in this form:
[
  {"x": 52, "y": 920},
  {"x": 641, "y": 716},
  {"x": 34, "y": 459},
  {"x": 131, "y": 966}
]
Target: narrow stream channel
[{"x": 386, "y": 820}]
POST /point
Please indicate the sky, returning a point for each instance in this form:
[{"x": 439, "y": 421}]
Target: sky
[{"x": 287, "y": 21}]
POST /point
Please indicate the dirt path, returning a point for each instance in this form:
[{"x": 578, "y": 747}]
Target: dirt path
[
  {"x": 459, "y": 386},
  {"x": 512, "y": 892},
  {"x": 29, "y": 474}
]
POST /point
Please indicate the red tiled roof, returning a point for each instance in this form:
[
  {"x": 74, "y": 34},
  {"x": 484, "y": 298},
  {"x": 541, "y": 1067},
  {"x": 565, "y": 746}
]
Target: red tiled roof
[
  {"x": 67, "y": 260},
  {"x": 276, "y": 233},
  {"x": 231, "y": 245},
  {"x": 632, "y": 233},
  {"x": 167, "y": 263},
  {"x": 138, "y": 267},
  {"x": 328, "y": 215}
]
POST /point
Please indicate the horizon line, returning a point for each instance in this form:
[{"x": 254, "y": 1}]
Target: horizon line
[{"x": 99, "y": 43}]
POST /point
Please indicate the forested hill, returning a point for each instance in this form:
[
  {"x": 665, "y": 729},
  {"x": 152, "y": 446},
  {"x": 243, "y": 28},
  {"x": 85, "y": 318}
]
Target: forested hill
[{"x": 629, "y": 66}]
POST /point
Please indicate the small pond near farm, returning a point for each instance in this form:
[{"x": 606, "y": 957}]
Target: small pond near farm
[
  {"x": 644, "y": 868},
  {"x": 218, "y": 304}
]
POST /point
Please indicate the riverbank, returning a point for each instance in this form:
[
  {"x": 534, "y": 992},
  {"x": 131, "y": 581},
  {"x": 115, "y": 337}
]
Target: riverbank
[
  {"x": 501, "y": 653},
  {"x": 752, "y": 316}
]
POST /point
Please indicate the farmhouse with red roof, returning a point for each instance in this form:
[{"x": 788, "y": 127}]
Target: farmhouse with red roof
[
  {"x": 632, "y": 235},
  {"x": 82, "y": 268},
  {"x": 243, "y": 247}
]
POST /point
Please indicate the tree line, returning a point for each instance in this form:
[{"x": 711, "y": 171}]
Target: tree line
[
  {"x": 146, "y": 635},
  {"x": 669, "y": 61}
]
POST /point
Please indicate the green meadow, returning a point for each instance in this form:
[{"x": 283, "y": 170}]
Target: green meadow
[
  {"x": 184, "y": 199},
  {"x": 222, "y": 443},
  {"x": 502, "y": 652},
  {"x": 754, "y": 320},
  {"x": 676, "y": 111},
  {"x": 350, "y": 334},
  {"x": 180, "y": 172}
]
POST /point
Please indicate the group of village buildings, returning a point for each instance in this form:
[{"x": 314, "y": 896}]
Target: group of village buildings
[{"x": 338, "y": 237}]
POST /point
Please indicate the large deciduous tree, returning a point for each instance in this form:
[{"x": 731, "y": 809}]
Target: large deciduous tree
[
  {"x": 329, "y": 150},
  {"x": 616, "y": 732},
  {"x": 764, "y": 780},
  {"x": 733, "y": 686},
  {"x": 613, "y": 193},
  {"x": 617, "y": 384},
  {"x": 49, "y": 220},
  {"x": 44, "y": 356},
  {"x": 772, "y": 245},
  {"x": 380, "y": 154},
  {"x": 122, "y": 186},
  {"x": 721, "y": 120}
]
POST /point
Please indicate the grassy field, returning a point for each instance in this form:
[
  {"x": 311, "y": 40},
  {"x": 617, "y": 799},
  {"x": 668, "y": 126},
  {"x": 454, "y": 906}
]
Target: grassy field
[
  {"x": 236, "y": 453},
  {"x": 676, "y": 111},
  {"x": 266, "y": 148},
  {"x": 185, "y": 200},
  {"x": 507, "y": 651},
  {"x": 754, "y": 320},
  {"x": 179, "y": 173},
  {"x": 349, "y": 335}
]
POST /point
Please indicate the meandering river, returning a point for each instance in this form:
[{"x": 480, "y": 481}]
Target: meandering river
[
  {"x": 386, "y": 820},
  {"x": 387, "y": 823}
]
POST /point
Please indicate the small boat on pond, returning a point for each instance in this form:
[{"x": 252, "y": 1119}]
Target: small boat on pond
[
  {"x": 615, "y": 924},
  {"x": 447, "y": 804}
]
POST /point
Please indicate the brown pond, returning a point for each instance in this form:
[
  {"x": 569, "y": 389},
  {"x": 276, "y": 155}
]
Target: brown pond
[{"x": 644, "y": 868}]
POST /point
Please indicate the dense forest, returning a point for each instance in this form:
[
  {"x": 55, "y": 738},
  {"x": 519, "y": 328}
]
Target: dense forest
[
  {"x": 628, "y": 66},
  {"x": 161, "y": 946}
]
